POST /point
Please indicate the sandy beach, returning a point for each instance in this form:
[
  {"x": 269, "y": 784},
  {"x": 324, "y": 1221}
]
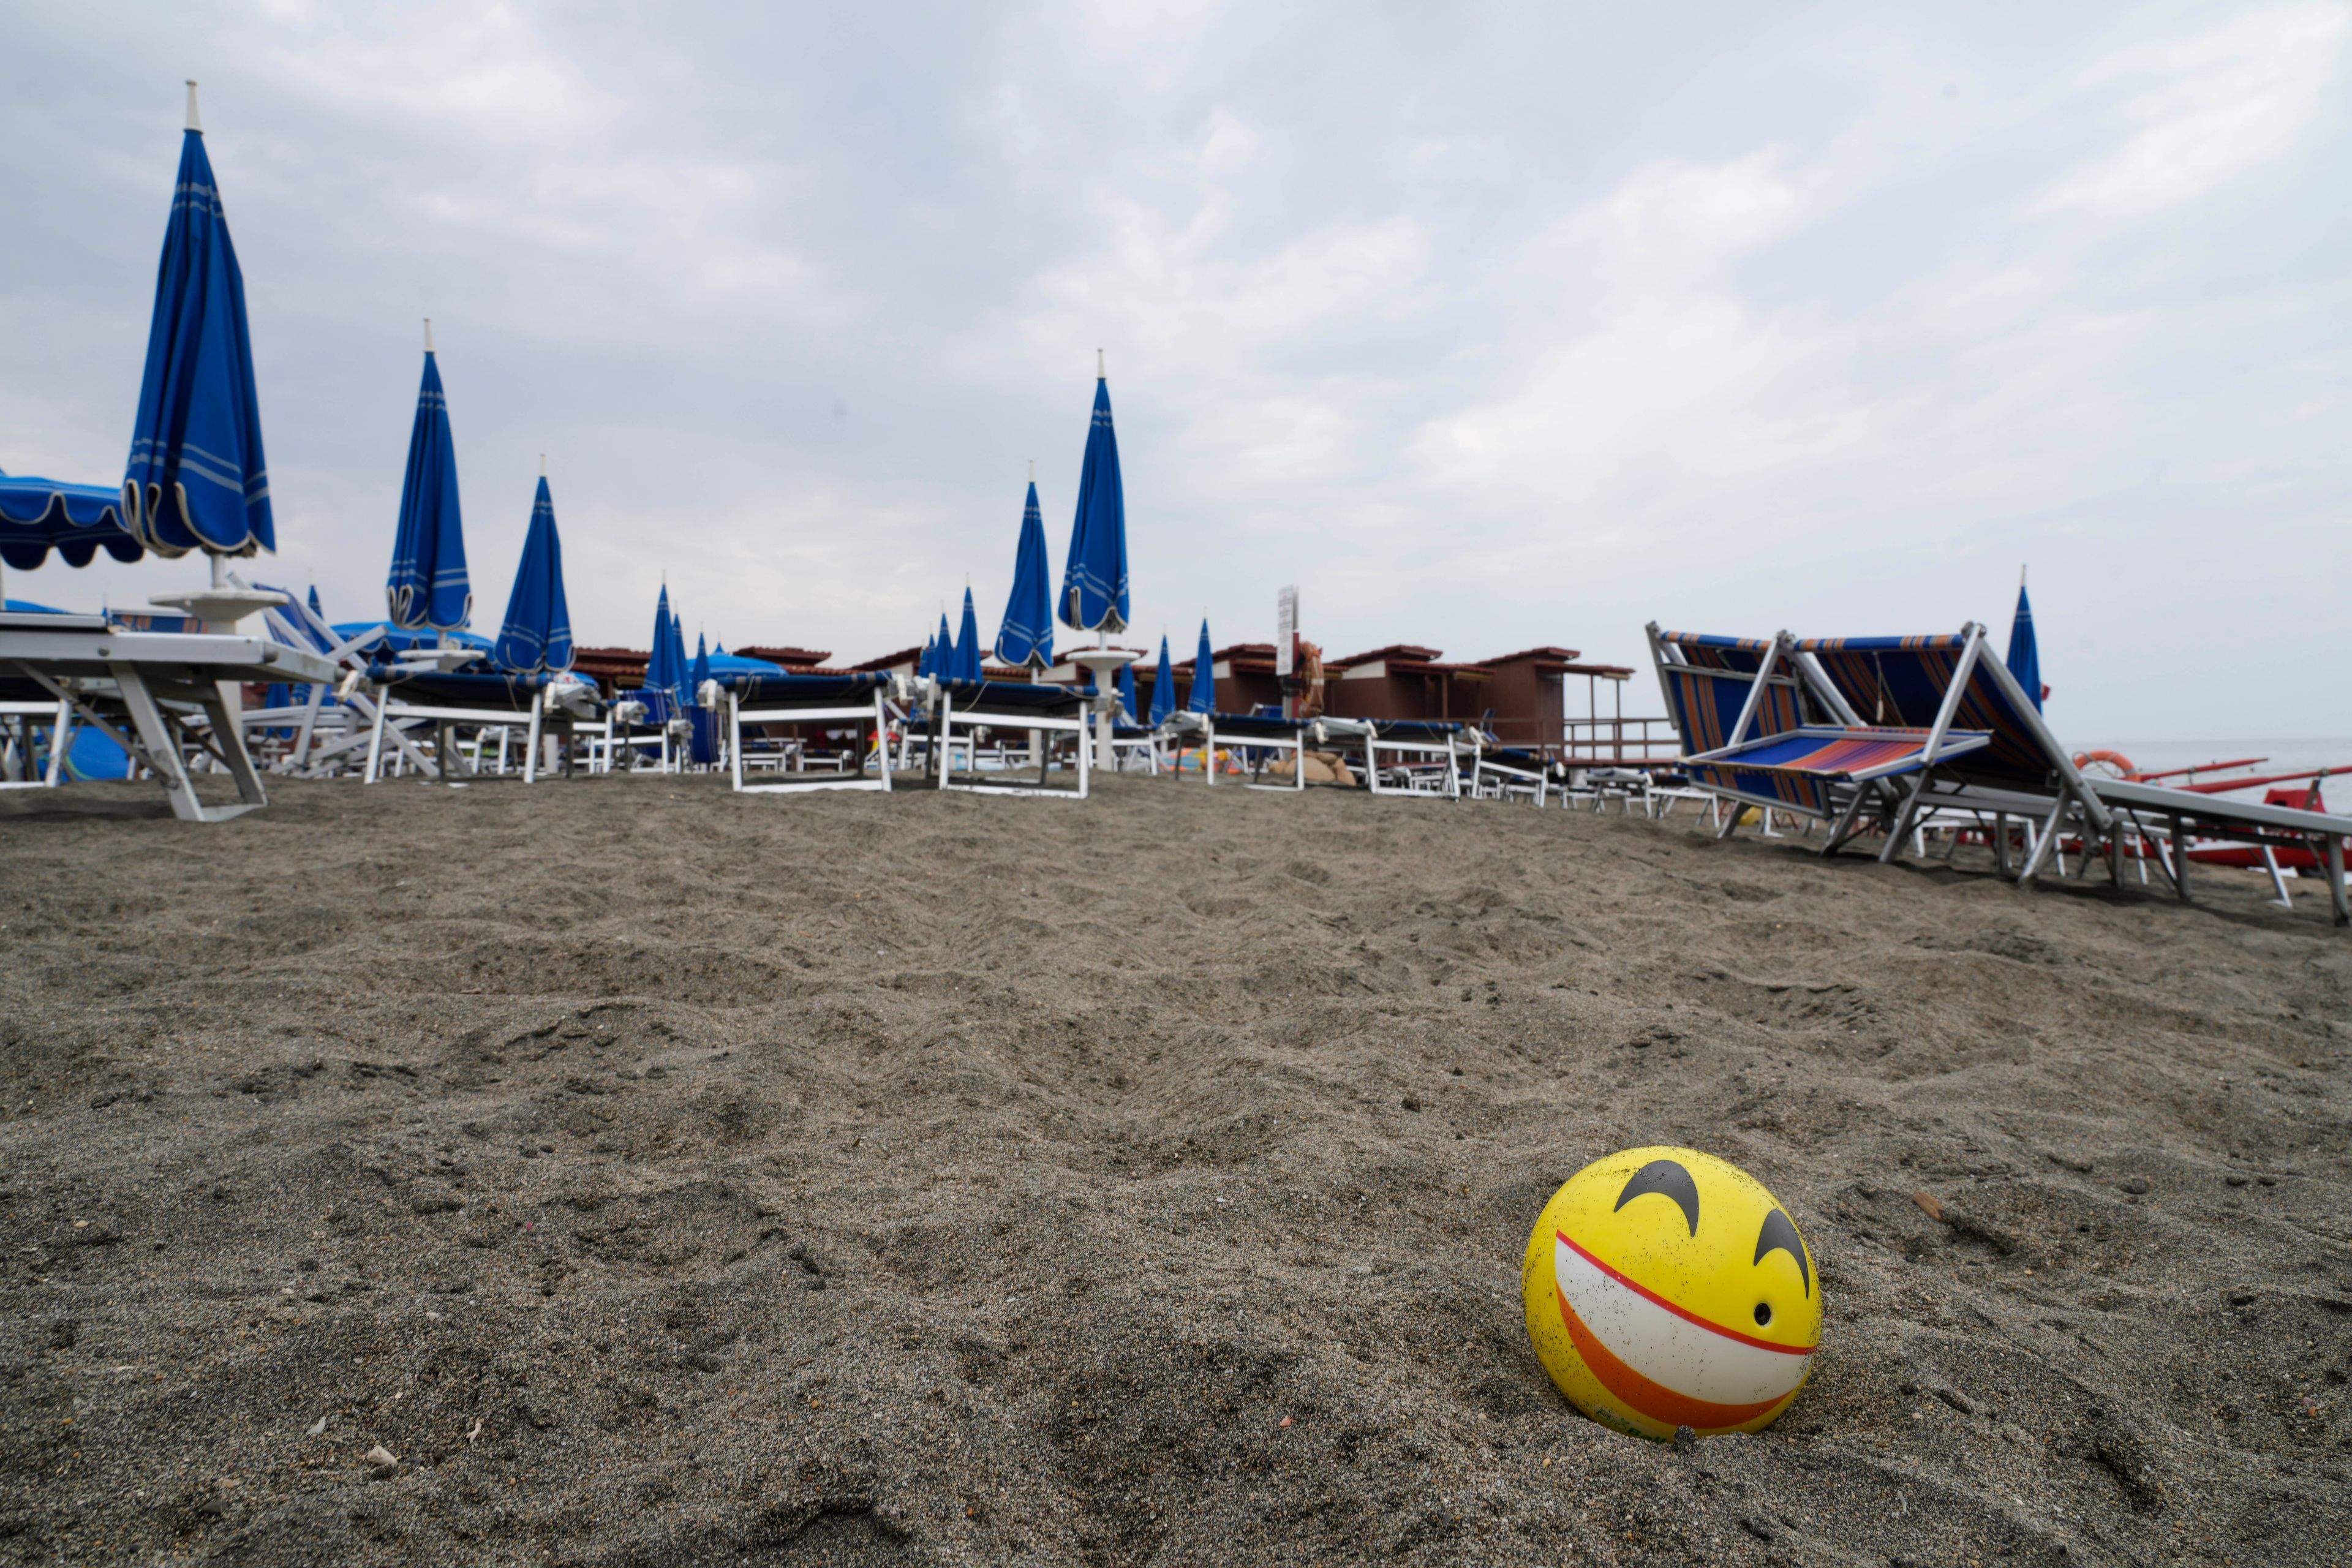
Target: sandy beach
[{"x": 667, "y": 1176}]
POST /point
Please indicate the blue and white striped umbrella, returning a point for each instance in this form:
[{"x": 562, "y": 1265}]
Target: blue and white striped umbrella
[
  {"x": 1204, "y": 676},
  {"x": 1026, "y": 634},
  {"x": 196, "y": 479},
  {"x": 1094, "y": 578},
  {"x": 428, "y": 587},
  {"x": 537, "y": 630}
]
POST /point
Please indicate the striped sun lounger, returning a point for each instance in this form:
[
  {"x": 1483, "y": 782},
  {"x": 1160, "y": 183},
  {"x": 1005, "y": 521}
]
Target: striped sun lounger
[{"x": 1816, "y": 768}]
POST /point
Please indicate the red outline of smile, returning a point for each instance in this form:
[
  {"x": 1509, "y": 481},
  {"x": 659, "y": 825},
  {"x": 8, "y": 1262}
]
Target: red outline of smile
[{"x": 1646, "y": 1396}]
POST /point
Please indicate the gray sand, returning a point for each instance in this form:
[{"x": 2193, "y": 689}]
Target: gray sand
[{"x": 666, "y": 1176}]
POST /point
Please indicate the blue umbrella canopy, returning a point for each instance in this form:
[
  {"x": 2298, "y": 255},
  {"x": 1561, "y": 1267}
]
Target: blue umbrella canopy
[
  {"x": 681, "y": 674},
  {"x": 38, "y": 516},
  {"x": 1204, "y": 676},
  {"x": 537, "y": 630},
  {"x": 944, "y": 663},
  {"x": 1163, "y": 687},
  {"x": 703, "y": 746},
  {"x": 1127, "y": 706},
  {"x": 2024, "y": 653},
  {"x": 196, "y": 479},
  {"x": 661, "y": 675},
  {"x": 1094, "y": 578},
  {"x": 1026, "y": 635},
  {"x": 968, "y": 653},
  {"x": 315, "y": 608},
  {"x": 428, "y": 586},
  {"x": 928, "y": 665}
]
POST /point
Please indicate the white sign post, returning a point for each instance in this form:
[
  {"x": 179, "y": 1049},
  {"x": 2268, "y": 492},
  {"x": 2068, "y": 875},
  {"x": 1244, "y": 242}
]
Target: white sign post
[{"x": 1285, "y": 645}]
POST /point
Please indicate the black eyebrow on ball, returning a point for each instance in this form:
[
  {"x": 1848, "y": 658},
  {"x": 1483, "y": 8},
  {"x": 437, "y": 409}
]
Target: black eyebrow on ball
[
  {"x": 1779, "y": 1234},
  {"x": 1667, "y": 1178}
]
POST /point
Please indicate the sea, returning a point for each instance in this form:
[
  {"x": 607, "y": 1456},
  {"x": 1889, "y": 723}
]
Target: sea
[{"x": 2278, "y": 757}]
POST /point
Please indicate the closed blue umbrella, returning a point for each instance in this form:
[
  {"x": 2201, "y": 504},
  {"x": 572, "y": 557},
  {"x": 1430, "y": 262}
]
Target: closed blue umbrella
[
  {"x": 944, "y": 663},
  {"x": 924, "y": 665},
  {"x": 196, "y": 479},
  {"x": 1127, "y": 706},
  {"x": 1204, "y": 676},
  {"x": 1163, "y": 687},
  {"x": 681, "y": 691},
  {"x": 1094, "y": 578},
  {"x": 1026, "y": 635},
  {"x": 2024, "y": 653},
  {"x": 428, "y": 586},
  {"x": 968, "y": 655},
  {"x": 38, "y": 516},
  {"x": 537, "y": 630},
  {"x": 703, "y": 743},
  {"x": 661, "y": 676},
  {"x": 315, "y": 608}
]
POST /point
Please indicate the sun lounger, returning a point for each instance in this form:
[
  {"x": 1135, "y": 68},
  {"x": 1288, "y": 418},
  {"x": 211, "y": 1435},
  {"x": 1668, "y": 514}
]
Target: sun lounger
[
  {"x": 1512, "y": 773},
  {"x": 861, "y": 701},
  {"x": 1439, "y": 747},
  {"x": 972, "y": 706},
  {"x": 408, "y": 698},
  {"x": 1958, "y": 685},
  {"x": 1249, "y": 733},
  {"x": 142, "y": 688}
]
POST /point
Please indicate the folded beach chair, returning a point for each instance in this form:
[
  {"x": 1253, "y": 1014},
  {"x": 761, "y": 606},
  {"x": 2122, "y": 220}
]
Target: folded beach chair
[
  {"x": 1958, "y": 685},
  {"x": 858, "y": 702},
  {"x": 1761, "y": 726},
  {"x": 1041, "y": 709}
]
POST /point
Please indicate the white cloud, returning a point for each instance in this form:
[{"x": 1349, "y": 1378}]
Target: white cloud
[{"x": 2206, "y": 109}]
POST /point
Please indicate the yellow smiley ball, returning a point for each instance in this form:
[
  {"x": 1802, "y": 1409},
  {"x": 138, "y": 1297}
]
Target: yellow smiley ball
[{"x": 1666, "y": 1288}]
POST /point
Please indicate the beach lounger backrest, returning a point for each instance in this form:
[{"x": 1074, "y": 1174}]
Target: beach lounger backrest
[
  {"x": 1708, "y": 681},
  {"x": 1903, "y": 681}
]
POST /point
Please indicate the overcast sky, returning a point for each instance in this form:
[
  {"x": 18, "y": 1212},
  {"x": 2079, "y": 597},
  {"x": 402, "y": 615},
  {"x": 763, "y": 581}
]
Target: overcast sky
[{"x": 1486, "y": 325}]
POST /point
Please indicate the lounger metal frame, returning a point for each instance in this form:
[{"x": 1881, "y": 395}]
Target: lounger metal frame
[
  {"x": 946, "y": 718},
  {"x": 156, "y": 674},
  {"x": 877, "y": 712}
]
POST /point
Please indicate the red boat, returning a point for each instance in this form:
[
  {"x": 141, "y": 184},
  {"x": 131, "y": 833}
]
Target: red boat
[{"x": 2250, "y": 857}]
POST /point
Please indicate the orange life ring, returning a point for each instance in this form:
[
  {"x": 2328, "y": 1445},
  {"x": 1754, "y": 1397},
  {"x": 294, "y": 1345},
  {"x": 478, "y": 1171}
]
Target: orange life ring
[{"x": 2122, "y": 764}]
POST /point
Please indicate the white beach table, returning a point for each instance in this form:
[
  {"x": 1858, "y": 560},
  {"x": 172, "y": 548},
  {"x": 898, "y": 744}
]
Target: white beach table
[{"x": 87, "y": 661}]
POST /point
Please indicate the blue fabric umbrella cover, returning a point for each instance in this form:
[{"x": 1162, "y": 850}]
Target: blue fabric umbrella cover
[
  {"x": 944, "y": 663},
  {"x": 1126, "y": 701},
  {"x": 681, "y": 673},
  {"x": 1094, "y": 578},
  {"x": 968, "y": 653},
  {"x": 1163, "y": 687},
  {"x": 1026, "y": 635},
  {"x": 703, "y": 743},
  {"x": 2024, "y": 659},
  {"x": 661, "y": 676},
  {"x": 1204, "y": 676},
  {"x": 428, "y": 586},
  {"x": 76, "y": 520},
  {"x": 196, "y": 479},
  {"x": 537, "y": 630}
]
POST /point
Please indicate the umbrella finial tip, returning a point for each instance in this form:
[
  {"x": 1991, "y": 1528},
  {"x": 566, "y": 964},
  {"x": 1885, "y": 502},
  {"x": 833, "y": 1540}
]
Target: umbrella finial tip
[
  {"x": 1100, "y": 373},
  {"x": 194, "y": 124},
  {"x": 428, "y": 335}
]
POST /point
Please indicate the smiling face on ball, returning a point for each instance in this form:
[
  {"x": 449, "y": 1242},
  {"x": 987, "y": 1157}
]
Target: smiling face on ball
[{"x": 1666, "y": 1288}]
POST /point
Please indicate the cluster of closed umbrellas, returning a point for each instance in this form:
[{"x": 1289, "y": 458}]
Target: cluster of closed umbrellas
[
  {"x": 196, "y": 479},
  {"x": 1094, "y": 596}
]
